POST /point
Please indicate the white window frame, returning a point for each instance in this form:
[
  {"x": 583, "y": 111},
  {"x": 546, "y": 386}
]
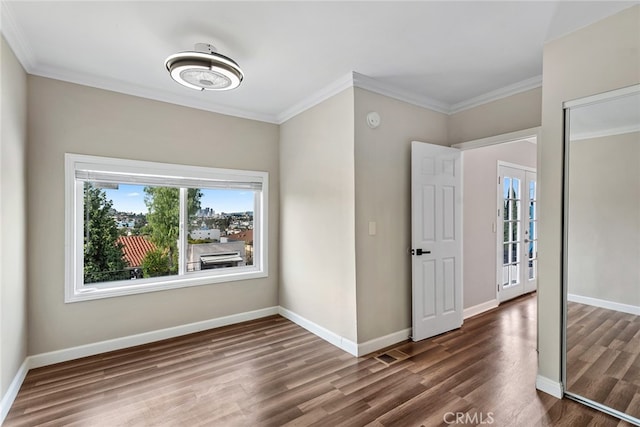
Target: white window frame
[{"x": 152, "y": 173}]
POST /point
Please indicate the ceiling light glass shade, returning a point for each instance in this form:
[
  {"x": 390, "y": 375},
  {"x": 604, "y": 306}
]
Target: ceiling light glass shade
[{"x": 204, "y": 71}]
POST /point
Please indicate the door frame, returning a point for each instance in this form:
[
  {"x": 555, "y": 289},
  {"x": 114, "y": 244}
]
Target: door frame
[
  {"x": 499, "y": 239},
  {"x": 534, "y": 134}
]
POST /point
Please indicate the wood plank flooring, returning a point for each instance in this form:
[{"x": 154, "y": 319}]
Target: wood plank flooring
[
  {"x": 603, "y": 356},
  {"x": 271, "y": 372}
]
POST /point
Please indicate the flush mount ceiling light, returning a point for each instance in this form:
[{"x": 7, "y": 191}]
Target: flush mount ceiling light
[{"x": 204, "y": 69}]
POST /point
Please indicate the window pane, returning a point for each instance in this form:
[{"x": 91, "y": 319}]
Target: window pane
[
  {"x": 104, "y": 258},
  {"x": 515, "y": 210},
  {"x": 506, "y": 187},
  {"x": 505, "y": 232},
  {"x": 516, "y": 188},
  {"x": 515, "y": 231},
  {"x": 532, "y": 190},
  {"x": 505, "y": 254},
  {"x": 534, "y": 251},
  {"x": 162, "y": 231},
  {"x": 515, "y": 249},
  {"x": 533, "y": 266},
  {"x": 531, "y": 230},
  {"x": 532, "y": 211},
  {"x": 146, "y": 222},
  {"x": 220, "y": 229},
  {"x": 514, "y": 273}
]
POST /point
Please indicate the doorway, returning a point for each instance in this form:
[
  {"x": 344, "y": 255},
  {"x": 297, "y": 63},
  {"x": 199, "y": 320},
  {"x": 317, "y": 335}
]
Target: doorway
[
  {"x": 518, "y": 231},
  {"x": 483, "y": 229}
]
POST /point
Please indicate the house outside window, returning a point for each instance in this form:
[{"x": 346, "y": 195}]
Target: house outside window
[{"x": 135, "y": 226}]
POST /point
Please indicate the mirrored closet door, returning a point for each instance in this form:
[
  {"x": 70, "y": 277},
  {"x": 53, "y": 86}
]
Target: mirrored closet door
[{"x": 602, "y": 252}]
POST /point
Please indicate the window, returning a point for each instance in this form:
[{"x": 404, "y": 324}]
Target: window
[{"x": 134, "y": 226}]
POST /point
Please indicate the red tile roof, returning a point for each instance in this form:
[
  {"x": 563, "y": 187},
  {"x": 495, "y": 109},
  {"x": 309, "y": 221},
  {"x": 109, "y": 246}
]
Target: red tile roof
[
  {"x": 246, "y": 235},
  {"x": 135, "y": 248}
]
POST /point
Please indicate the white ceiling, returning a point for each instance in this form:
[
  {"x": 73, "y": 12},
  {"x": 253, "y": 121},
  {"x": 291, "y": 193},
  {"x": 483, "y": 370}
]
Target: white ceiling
[{"x": 444, "y": 55}]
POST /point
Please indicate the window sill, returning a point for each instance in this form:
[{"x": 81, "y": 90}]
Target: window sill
[{"x": 117, "y": 289}]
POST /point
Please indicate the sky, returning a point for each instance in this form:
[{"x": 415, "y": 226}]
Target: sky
[{"x": 130, "y": 198}]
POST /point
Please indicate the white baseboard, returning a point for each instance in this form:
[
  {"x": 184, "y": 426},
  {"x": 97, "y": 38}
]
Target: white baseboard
[
  {"x": 609, "y": 305},
  {"x": 548, "y": 386},
  {"x": 66, "y": 354},
  {"x": 480, "y": 308},
  {"x": 343, "y": 343},
  {"x": 322, "y": 332},
  {"x": 12, "y": 391},
  {"x": 382, "y": 342},
  {"x": 49, "y": 358}
]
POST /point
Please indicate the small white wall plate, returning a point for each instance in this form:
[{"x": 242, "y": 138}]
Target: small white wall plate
[{"x": 373, "y": 120}]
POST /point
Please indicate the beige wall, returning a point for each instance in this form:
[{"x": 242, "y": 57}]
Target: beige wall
[
  {"x": 510, "y": 114},
  {"x": 334, "y": 174},
  {"x": 13, "y": 212},
  {"x": 604, "y": 218},
  {"x": 479, "y": 217},
  {"x": 318, "y": 273},
  {"x": 595, "y": 59},
  {"x": 65, "y": 118},
  {"x": 382, "y": 195}
]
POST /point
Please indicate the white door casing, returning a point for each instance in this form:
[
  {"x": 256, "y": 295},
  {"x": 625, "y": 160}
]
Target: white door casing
[{"x": 436, "y": 239}]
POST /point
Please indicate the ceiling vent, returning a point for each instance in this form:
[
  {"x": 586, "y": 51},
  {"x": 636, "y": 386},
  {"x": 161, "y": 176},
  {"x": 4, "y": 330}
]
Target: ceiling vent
[{"x": 204, "y": 69}]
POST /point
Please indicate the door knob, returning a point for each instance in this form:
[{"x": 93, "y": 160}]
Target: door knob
[{"x": 419, "y": 252}]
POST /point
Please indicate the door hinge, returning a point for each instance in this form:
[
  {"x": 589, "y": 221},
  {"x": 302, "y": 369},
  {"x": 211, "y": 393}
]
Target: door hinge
[{"x": 498, "y": 180}]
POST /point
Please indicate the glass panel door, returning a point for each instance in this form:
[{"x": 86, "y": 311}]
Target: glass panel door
[{"x": 518, "y": 242}]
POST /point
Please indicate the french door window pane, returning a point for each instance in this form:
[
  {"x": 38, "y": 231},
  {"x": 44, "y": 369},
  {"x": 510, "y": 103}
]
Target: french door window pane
[
  {"x": 515, "y": 211},
  {"x": 506, "y": 188},
  {"x": 532, "y": 269},
  {"x": 532, "y": 190},
  {"x": 515, "y": 273},
  {"x": 516, "y": 189}
]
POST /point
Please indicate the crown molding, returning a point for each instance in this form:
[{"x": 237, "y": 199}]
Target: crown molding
[
  {"x": 494, "y": 95},
  {"x": 354, "y": 79},
  {"x": 368, "y": 83},
  {"x": 149, "y": 93},
  {"x": 16, "y": 39},
  {"x": 316, "y": 98}
]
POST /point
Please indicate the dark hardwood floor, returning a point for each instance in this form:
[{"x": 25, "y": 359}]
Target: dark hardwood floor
[
  {"x": 603, "y": 356},
  {"x": 271, "y": 372}
]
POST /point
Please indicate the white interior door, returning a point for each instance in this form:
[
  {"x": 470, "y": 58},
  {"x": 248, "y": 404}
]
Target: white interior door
[
  {"x": 436, "y": 239},
  {"x": 518, "y": 233}
]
